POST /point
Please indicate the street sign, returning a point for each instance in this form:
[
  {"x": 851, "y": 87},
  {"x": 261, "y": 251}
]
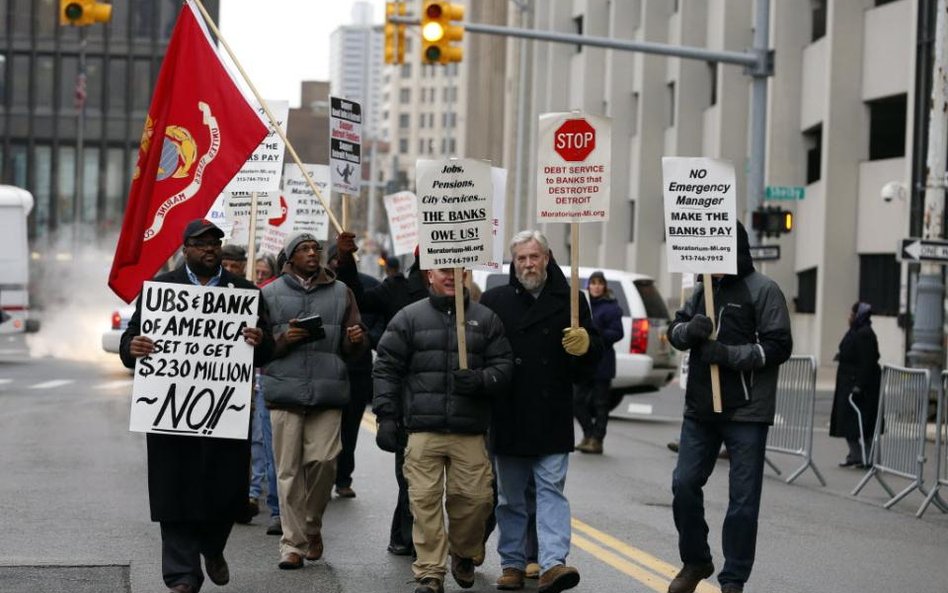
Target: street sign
[
  {"x": 784, "y": 192},
  {"x": 913, "y": 250},
  {"x": 765, "y": 252}
]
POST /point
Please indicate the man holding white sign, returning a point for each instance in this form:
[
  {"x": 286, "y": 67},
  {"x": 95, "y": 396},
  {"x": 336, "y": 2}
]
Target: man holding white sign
[{"x": 197, "y": 485}]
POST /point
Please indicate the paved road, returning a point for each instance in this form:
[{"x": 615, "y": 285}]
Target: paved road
[{"x": 75, "y": 515}]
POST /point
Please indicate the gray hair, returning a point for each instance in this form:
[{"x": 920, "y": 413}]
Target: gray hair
[{"x": 527, "y": 236}]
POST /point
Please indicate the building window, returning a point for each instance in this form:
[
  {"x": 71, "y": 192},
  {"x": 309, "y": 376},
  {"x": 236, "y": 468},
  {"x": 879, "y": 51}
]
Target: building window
[
  {"x": 813, "y": 139},
  {"x": 887, "y": 127},
  {"x": 403, "y": 146},
  {"x": 404, "y": 96},
  {"x": 818, "y": 30},
  {"x": 879, "y": 279},
  {"x": 404, "y": 120},
  {"x": 713, "y": 81},
  {"x": 421, "y": 121},
  {"x": 452, "y": 146},
  {"x": 670, "y": 105},
  {"x": 578, "y": 29},
  {"x": 631, "y": 221},
  {"x": 421, "y": 146},
  {"x": 806, "y": 291},
  {"x": 406, "y": 70}
]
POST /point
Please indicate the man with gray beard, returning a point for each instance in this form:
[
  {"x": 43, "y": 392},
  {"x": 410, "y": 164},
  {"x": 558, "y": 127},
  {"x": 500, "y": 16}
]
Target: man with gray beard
[{"x": 532, "y": 429}]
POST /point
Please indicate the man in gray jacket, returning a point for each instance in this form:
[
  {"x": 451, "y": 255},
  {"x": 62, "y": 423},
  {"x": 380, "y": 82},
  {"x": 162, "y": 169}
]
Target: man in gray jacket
[
  {"x": 446, "y": 411},
  {"x": 753, "y": 340},
  {"x": 306, "y": 387}
]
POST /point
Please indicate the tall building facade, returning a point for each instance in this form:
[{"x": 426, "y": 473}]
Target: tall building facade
[
  {"x": 355, "y": 65},
  {"x": 39, "y": 96}
]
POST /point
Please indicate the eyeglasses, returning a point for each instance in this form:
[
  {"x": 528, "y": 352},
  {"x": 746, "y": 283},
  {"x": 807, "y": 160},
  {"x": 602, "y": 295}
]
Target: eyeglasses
[
  {"x": 314, "y": 248},
  {"x": 204, "y": 245}
]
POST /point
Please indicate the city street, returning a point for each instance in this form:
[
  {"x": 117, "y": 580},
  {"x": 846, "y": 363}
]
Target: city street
[{"x": 75, "y": 514}]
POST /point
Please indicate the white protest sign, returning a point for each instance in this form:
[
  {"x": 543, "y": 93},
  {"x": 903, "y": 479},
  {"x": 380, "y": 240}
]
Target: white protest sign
[
  {"x": 261, "y": 172},
  {"x": 455, "y": 212},
  {"x": 574, "y": 167},
  {"x": 199, "y": 379},
  {"x": 299, "y": 209},
  {"x": 402, "y": 211},
  {"x": 687, "y": 281},
  {"x": 345, "y": 145},
  {"x": 700, "y": 221},
  {"x": 237, "y": 212},
  {"x": 218, "y": 214},
  {"x": 498, "y": 179}
]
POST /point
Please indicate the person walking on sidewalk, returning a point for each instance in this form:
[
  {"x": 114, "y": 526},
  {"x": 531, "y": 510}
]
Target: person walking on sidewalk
[
  {"x": 753, "y": 340},
  {"x": 446, "y": 412}
]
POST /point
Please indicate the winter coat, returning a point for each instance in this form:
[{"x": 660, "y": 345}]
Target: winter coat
[
  {"x": 607, "y": 317},
  {"x": 416, "y": 355},
  {"x": 752, "y": 318},
  {"x": 362, "y": 364},
  {"x": 858, "y": 367},
  {"x": 537, "y": 417},
  {"x": 393, "y": 295},
  {"x": 197, "y": 478}
]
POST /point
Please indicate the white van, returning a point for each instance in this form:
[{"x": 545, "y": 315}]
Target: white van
[
  {"x": 645, "y": 361},
  {"x": 15, "y": 206}
]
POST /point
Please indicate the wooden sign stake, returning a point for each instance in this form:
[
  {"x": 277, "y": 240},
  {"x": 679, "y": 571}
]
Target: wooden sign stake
[
  {"x": 252, "y": 240},
  {"x": 459, "y": 316},
  {"x": 574, "y": 275},
  {"x": 715, "y": 372}
]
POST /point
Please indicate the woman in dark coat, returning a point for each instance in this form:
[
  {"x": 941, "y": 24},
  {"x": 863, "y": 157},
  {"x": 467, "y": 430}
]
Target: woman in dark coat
[
  {"x": 591, "y": 403},
  {"x": 857, "y": 385}
]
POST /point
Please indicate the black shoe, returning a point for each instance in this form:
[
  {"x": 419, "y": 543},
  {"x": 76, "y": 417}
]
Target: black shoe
[
  {"x": 672, "y": 446},
  {"x": 429, "y": 585},
  {"x": 462, "y": 569},
  {"x": 248, "y": 512},
  {"x": 217, "y": 570},
  {"x": 732, "y": 588},
  {"x": 400, "y": 550},
  {"x": 275, "y": 527},
  {"x": 689, "y": 577},
  {"x": 850, "y": 463}
]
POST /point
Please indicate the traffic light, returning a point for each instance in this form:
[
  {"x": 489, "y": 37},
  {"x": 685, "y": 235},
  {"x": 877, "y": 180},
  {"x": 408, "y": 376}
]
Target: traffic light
[
  {"x": 394, "y": 33},
  {"x": 81, "y": 13},
  {"x": 769, "y": 221},
  {"x": 439, "y": 31}
]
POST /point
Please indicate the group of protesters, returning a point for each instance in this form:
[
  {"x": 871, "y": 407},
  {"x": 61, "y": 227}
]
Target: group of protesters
[{"x": 486, "y": 442}]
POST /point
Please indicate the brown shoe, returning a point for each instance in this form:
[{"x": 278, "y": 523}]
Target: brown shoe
[
  {"x": 217, "y": 570},
  {"x": 429, "y": 585},
  {"x": 290, "y": 561},
  {"x": 583, "y": 444},
  {"x": 479, "y": 559},
  {"x": 315, "y": 551},
  {"x": 689, "y": 577},
  {"x": 181, "y": 588},
  {"x": 510, "y": 580},
  {"x": 594, "y": 446},
  {"x": 462, "y": 569},
  {"x": 559, "y": 578},
  {"x": 345, "y": 492},
  {"x": 533, "y": 570}
]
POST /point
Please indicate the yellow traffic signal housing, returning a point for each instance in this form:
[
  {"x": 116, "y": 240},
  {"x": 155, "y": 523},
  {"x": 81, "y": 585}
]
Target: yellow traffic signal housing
[
  {"x": 439, "y": 31},
  {"x": 82, "y": 13},
  {"x": 394, "y": 33}
]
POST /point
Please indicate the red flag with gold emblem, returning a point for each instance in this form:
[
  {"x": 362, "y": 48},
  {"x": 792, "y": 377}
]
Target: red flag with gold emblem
[{"x": 199, "y": 131}]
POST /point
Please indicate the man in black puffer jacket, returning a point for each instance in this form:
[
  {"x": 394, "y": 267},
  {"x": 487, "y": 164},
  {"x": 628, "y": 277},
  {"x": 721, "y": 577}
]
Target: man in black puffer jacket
[
  {"x": 446, "y": 411},
  {"x": 753, "y": 340}
]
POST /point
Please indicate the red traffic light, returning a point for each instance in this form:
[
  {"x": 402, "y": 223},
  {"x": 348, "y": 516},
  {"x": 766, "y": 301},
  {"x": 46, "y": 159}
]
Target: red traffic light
[{"x": 433, "y": 11}]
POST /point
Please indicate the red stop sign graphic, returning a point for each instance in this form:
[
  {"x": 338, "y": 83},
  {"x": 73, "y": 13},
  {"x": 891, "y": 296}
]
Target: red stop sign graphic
[{"x": 574, "y": 140}]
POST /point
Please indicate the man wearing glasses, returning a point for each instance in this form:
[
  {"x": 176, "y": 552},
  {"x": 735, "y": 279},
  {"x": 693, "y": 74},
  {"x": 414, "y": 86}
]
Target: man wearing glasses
[{"x": 317, "y": 328}]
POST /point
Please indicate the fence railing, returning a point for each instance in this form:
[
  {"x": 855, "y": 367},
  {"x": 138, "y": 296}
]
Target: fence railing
[{"x": 792, "y": 432}]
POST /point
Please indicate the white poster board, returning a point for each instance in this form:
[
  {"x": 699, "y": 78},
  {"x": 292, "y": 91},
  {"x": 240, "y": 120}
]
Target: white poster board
[
  {"x": 199, "y": 380},
  {"x": 687, "y": 281},
  {"x": 574, "y": 167},
  {"x": 237, "y": 213},
  {"x": 261, "y": 172},
  {"x": 454, "y": 212},
  {"x": 498, "y": 179},
  {"x": 345, "y": 145},
  {"x": 402, "y": 211},
  {"x": 700, "y": 215},
  {"x": 298, "y": 209}
]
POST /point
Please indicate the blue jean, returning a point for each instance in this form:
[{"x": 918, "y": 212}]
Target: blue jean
[
  {"x": 513, "y": 512},
  {"x": 263, "y": 467},
  {"x": 698, "y": 450}
]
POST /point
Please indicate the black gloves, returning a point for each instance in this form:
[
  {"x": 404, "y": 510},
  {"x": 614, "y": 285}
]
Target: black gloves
[
  {"x": 698, "y": 330},
  {"x": 468, "y": 382},
  {"x": 714, "y": 352},
  {"x": 387, "y": 435}
]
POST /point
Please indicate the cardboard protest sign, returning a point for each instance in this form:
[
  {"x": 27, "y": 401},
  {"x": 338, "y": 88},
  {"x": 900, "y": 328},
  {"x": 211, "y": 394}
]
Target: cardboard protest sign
[
  {"x": 261, "y": 172},
  {"x": 402, "y": 211},
  {"x": 574, "y": 167},
  {"x": 299, "y": 209},
  {"x": 455, "y": 209},
  {"x": 199, "y": 380},
  {"x": 498, "y": 179},
  {"x": 345, "y": 145}
]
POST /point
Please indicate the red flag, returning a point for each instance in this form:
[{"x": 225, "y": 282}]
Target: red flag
[{"x": 199, "y": 131}]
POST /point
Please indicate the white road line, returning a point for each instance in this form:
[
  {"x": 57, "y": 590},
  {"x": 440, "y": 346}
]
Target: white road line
[
  {"x": 5, "y": 381},
  {"x": 52, "y": 384},
  {"x": 645, "y": 409},
  {"x": 115, "y": 384}
]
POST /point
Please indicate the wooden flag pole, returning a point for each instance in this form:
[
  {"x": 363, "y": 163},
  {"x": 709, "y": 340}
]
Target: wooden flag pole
[
  {"x": 715, "y": 372},
  {"x": 574, "y": 275},
  {"x": 270, "y": 116},
  {"x": 345, "y": 211},
  {"x": 252, "y": 238},
  {"x": 459, "y": 316}
]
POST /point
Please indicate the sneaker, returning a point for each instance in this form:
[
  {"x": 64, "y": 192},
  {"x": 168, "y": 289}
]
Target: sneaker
[
  {"x": 732, "y": 588},
  {"x": 217, "y": 570},
  {"x": 290, "y": 561},
  {"x": 315, "y": 550},
  {"x": 275, "y": 527},
  {"x": 429, "y": 585},
  {"x": 345, "y": 492},
  {"x": 510, "y": 580},
  {"x": 688, "y": 578},
  {"x": 559, "y": 578},
  {"x": 462, "y": 569},
  {"x": 533, "y": 570}
]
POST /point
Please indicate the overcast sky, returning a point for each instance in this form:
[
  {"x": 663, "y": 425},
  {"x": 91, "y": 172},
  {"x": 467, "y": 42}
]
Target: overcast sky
[{"x": 282, "y": 42}]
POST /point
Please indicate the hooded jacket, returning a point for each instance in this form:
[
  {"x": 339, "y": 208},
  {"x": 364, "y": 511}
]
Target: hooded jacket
[{"x": 752, "y": 319}]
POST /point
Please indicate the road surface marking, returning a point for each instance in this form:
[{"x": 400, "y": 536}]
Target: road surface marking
[
  {"x": 5, "y": 381},
  {"x": 650, "y": 580},
  {"x": 639, "y": 409},
  {"x": 52, "y": 384},
  {"x": 115, "y": 384}
]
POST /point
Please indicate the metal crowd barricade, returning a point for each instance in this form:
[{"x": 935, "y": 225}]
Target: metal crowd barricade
[
  {"x": 941, "y": 451},
  {"x": 898, "y": 442},
  {"x": 792, "y": 432}
]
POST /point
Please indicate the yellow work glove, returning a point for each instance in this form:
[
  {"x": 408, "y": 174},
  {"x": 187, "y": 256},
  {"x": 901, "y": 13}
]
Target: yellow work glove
[{"x": 576, "y": 341}]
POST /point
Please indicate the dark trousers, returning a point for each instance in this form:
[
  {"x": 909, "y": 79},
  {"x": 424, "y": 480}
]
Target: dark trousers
[
  {"x": 360, "y": 394},
  {"x": 591, "y": 407},
  {"x": 402, "y": 520},
  {"x": 697, "y": 454},
  {"x": 183, "y": 544}
]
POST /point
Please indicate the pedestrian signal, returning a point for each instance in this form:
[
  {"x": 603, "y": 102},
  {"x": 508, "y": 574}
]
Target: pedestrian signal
[
  {"x": 772, "y": 221},
  {"x": 439, "y": 31}
]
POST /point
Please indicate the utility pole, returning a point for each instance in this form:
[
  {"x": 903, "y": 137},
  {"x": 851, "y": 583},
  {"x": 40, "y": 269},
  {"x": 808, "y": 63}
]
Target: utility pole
[
  {"x": 524, "y": 8},
  {"x": 80, "y": 140}
]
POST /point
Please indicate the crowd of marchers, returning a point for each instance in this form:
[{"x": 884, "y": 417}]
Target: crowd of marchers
[{"x": 486, "y": 443}]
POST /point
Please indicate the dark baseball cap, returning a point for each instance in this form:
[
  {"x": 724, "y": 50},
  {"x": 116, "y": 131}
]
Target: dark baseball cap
[{"x": 199, "y": 226}]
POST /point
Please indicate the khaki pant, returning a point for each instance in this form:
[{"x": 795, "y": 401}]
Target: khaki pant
[
  {"x": 305, "y": 447},
  {"x": 466, "y": 493}
]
